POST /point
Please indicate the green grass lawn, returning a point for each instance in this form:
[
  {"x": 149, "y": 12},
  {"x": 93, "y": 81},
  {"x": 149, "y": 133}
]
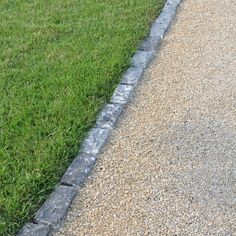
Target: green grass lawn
[{"x": 60, "y": 61}]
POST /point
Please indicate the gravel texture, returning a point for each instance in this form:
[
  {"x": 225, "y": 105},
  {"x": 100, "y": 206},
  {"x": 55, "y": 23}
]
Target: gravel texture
[{"x": 170, "y": 166}]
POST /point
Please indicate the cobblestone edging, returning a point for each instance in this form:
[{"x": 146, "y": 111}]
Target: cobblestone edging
[{"x": 51, "y": 214}]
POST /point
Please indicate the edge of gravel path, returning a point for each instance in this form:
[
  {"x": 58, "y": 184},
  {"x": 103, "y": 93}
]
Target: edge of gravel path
[{"x": 51, "y": 214}]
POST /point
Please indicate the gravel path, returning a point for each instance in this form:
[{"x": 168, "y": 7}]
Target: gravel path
[{"x": 170, "y": 166}]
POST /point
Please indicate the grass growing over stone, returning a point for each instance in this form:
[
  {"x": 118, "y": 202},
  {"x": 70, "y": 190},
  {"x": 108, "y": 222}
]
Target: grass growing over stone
[{"x": 59, "y": 63}]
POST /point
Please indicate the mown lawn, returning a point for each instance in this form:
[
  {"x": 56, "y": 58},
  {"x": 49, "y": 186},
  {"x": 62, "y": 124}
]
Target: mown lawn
[{"x": 59, "y": 63}]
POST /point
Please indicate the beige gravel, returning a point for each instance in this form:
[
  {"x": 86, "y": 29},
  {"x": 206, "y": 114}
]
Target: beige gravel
[{"x": 170, "y": 166}]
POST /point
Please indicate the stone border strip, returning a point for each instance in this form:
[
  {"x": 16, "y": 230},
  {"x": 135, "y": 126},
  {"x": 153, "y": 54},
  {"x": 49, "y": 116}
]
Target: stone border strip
[{"x": 49, "y": 217}]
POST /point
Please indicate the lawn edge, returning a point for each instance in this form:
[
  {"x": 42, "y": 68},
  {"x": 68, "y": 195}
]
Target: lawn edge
[{"x": 50, "y": 216}]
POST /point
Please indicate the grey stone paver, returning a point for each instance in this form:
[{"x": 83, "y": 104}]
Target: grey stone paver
[
  {"x": 96, "y": 139},
  {"x": 151, "y": 43},
  {"x": 79, "y": 170},
  {"x": 31, "y": 229},
  {"x": 109, "y": 115},
  {"x": 122, "y": 94},
  {"x": 142, "y": 58},
  {"x": 132, "y": 76},
  {"x": 52, "y": 212}
]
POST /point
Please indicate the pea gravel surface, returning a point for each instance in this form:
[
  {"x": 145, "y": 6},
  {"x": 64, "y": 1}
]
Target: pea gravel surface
[{"x": 170, "y": 165}]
